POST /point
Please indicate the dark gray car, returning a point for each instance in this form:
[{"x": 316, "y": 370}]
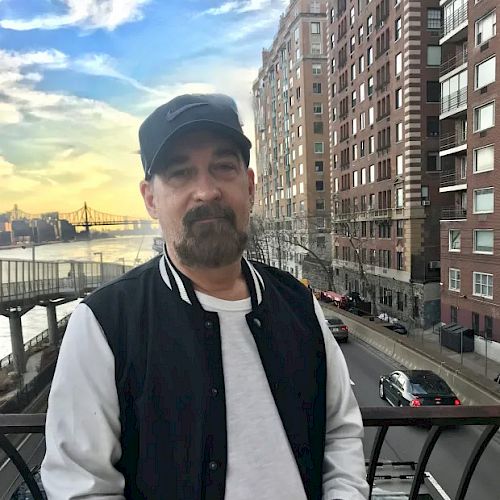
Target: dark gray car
[{"x": 339, "y": 330}]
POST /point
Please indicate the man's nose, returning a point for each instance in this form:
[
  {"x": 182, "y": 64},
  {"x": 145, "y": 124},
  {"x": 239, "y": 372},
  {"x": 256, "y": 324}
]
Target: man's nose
[{"x": 207, "y": 188}]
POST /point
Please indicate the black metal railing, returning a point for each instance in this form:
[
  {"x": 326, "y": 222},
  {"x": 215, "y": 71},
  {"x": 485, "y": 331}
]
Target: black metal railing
[
  {"x": 453, "y": 62},
  {"x": 452, "y": 140},
  {"x": 454, "y": 101},
  {"x": 453, "y": 213},
  {"x": 455, "y": 20},
  {"x": 383, "y": 418},
  {"x": 452, "y": 178}
]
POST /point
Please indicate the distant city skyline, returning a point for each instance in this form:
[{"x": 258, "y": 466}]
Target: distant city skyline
[{"x": 78, "y": 78}]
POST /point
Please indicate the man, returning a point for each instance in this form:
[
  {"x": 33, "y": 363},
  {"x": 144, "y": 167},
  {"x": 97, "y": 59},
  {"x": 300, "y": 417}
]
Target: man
[{"x": 200, "y": 375}]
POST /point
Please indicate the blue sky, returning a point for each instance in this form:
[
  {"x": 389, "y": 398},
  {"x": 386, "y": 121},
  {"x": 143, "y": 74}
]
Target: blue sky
[{"x": 78, "y": 76}]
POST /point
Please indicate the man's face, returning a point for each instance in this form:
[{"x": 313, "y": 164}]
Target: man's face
[{"x": 202, "y": 198}]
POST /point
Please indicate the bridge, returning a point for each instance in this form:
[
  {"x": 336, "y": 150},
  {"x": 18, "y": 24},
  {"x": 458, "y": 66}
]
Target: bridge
[
  {"x": 27, "y": 283},
  {"x": 85, "y": 217}
]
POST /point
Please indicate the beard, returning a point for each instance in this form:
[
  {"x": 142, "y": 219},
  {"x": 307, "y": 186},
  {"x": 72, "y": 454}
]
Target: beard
[{"x": 211, "y": 244}]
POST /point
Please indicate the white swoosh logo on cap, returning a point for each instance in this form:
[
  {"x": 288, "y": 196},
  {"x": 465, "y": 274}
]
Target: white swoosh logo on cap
[{"x": 173, "y": 114}]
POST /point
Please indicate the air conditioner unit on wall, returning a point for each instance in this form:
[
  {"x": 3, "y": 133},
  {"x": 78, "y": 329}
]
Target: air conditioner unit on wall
[
  {"x": 426, "y": 203},
  {"x": 434, "y": 264}
]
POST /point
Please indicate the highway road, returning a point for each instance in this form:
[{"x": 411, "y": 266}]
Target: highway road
[{"x": 450, "y": 455}]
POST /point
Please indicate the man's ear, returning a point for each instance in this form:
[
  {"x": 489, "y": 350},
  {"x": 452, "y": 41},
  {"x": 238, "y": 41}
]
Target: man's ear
[{"x": 147, "y": 191}]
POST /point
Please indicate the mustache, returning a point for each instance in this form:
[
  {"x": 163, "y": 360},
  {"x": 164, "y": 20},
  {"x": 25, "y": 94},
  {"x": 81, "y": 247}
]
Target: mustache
[{"x": 202, "y": 212}]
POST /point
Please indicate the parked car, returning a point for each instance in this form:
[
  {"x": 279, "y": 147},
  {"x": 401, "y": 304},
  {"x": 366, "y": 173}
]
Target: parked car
[
  {"x": 397, "y": 327},
  {"x": 416, "y": 388},
  {"x": 337, "y": 299},
  {"x": 339, "y": 330}
]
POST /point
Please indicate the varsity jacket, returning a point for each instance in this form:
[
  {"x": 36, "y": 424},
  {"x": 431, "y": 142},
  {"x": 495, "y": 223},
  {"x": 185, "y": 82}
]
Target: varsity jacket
[{"x": 166, "y": 418}]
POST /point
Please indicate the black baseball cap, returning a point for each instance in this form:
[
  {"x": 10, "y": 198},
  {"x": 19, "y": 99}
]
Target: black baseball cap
[{"x": 185, "y": 113}]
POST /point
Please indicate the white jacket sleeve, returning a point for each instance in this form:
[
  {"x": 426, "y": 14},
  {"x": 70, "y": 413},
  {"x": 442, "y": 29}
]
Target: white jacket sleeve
[
  {"x": 344, "y": 474},
  {"x": 83, "y": 426}
]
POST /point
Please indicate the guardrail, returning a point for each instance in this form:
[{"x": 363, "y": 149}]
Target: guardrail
[
  {"x": 453, "y": 62},
  {"x": 26, "y": 281},
  {"x": 383, "y": 418},
  {"x": 453, "y": 213},
  {"x": 455, "y": 20},
  {"x": 452, "y": 140},
  {"x": 373, "y": 214},
  {"x": 454, "y": 100},
  {"x": 453, "y": 178}
]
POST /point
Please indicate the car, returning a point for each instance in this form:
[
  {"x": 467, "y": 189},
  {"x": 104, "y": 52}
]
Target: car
[
  {"x": 339, "y": 330},
  {"x": 397, "y": 327},
  {"x": 416, "y": 388}
]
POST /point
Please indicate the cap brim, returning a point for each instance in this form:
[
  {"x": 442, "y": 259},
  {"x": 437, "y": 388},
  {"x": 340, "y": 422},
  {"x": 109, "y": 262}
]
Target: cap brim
[{"x": 240, "y": 139}]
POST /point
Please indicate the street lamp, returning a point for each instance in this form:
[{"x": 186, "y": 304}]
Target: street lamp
[{"x": 101, "y": 265}]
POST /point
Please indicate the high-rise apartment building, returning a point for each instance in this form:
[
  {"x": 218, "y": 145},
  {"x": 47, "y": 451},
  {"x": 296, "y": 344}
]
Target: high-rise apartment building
[
  {"x": 469, "y": 152},
  {"x": 291, "y": 136},
  {"x": 384, "y": 59}
]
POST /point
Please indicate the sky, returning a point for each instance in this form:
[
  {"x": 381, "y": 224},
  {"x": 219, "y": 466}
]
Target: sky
[{"x": 77, "y": 77}]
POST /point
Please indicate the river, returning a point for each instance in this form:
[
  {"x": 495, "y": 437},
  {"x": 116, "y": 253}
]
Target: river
[{"x": 133, "y": 249}]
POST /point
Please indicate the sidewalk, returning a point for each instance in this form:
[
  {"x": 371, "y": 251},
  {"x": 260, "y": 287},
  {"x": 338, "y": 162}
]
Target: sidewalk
[{"x": 428, "y": 340}]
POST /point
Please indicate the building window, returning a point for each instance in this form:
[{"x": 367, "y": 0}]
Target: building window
[
  {"x": 475, "y": 323},
  {"x": 371, "y": 144},
  {"x": 433, "y": 19},
  {"x": 454, "y": 280},
  {"x": 397, "y": 29},
  {"x": 483, "y": 159},
  {"x": 488, "y": 327},
  {"x": 486, "y": 27},
  {"x": 320, "y": 204},
  {"x": 399, "y": 98},
  {"x": 361, "y": 64},
  {"x": 400, "y": 224},
  {"x": 363, "y": 176},
  {"x": 316, "y": 69},
  {"x": 399, "y": 63},
  {"x": 485, "y": 73},
  {"x": 370, "y": 85},
  {"x": 372, "y": 175},
  {"x": 483, "y": 285},
  {"x": 299, "y": 131},
  {"x": 483, "y": 201},
  {"x": 371, "y": 116},
  {"x": 453, "y": 314},
  {"x": 399, "y": 261},
  {"x": 433, "y": 162},
  {"x": 484, "y": 116},
  {"x": 433, "y": 55},
  {"x": 353, "y": 98},
  {"x": 433, "y": 91},
  {"x": 352, "y": 44},
  {"x": 399, "y": 299},
  {"x": 483, "y": 241},
  {"x": 362, "y": 92},
  {"x": 399, "y": 198},
  {"x": 369, "y": 56},
  {"x": 320, "y": 186},
  {"x": 352, "y": 15},
  {"x": 399, "y": 131},
  {"x": 318, "y": 127},
  {"x": 432, "y": 126},
  {"x": 355, "y": 179},
  {"x": 318, "y": 165},
  {"x": 315, "y": 28},
  {"x": 316, "y": 48},
  {"x": 316, "y": 88},
  {"x": 319, "y": 147},
  {"x": 317, "y": 108},
  {"x": 454, "y": 240},
  {"x": 369, "y": 24}
]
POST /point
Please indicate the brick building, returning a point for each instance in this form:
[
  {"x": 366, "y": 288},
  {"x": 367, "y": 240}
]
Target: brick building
[
  {"x": 384, "y": 60},
  {"x": 470, "y": 117},
  {"x": 291, "y": 139}
]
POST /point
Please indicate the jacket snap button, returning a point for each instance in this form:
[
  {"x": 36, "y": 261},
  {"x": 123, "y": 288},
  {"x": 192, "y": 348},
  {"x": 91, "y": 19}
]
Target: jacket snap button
[
  {"x": 213, "y": 465},
  {"x": 214, "y": 391},
  {"x": 208, "y": 324},
  {"x": 257, "y": 322}
]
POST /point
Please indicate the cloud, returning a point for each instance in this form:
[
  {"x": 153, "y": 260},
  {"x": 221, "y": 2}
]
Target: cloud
[
  {"x": 9, "y": 114},
  {"x": 239, "y": 6},
  {"x": 6, "y": 168},
  {"x": 87, "y": 14}
]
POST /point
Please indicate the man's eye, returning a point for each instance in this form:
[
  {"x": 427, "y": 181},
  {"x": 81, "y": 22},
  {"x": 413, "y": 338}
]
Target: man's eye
[
  {"x": 226, "y": 167},
  {"x": 178, "y": 174}
]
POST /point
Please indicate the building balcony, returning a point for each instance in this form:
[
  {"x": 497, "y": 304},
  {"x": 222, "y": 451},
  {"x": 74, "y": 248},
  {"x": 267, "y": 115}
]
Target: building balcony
[
  {"x": 452, "y": 143},
  {"x": 371, "y": 214},
  {"x": 452, "y": 181},
  {"x": 453, "y": 63},
  {"x": 453, "y": 213},
  {"x": 454, "y": 104},
  {"x": 455, "y": 26},
  {"x": 30, "y": 428}
]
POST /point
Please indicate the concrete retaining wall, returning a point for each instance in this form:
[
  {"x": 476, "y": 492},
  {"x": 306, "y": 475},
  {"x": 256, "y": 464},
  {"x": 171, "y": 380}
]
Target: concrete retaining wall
[{"x": 460, "y": 379}]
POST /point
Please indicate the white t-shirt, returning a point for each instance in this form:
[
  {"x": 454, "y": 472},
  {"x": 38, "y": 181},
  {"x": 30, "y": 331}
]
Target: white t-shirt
[{"x": 260, "y": 463}]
